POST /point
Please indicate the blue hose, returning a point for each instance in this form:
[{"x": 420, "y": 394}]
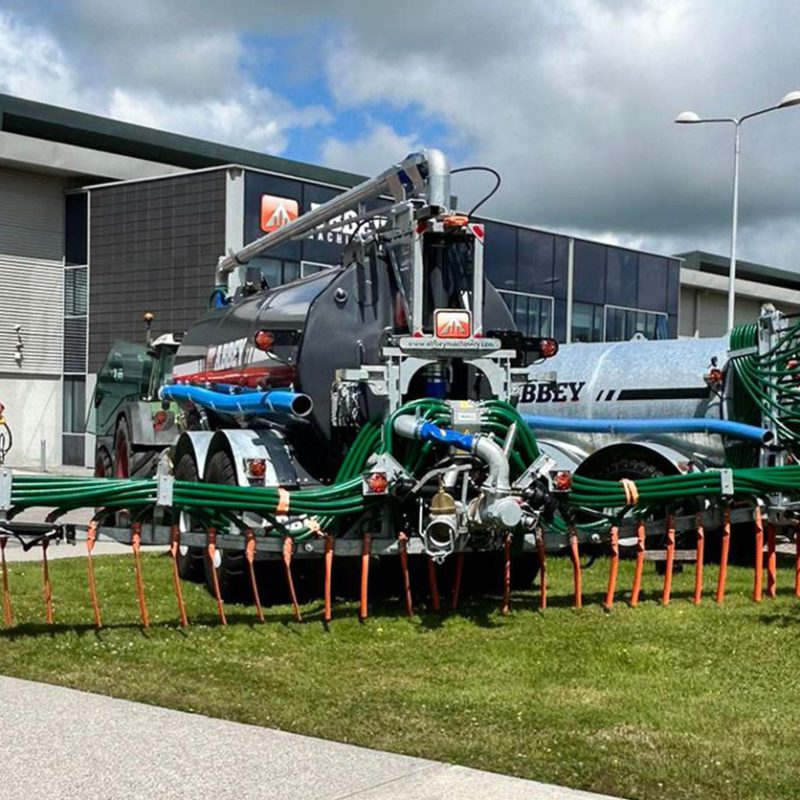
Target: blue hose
[
  {"x": 249, "y": 402},
  {"x": 723, "y": 427},
  {"x": 464, "y": 441}
]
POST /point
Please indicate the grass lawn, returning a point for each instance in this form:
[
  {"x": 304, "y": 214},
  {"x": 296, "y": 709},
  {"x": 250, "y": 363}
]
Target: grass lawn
[{"x": 677, "y": 702}]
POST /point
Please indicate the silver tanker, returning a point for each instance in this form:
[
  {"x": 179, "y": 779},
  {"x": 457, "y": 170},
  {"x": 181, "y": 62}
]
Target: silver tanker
[{"x": 637, "y": 379}]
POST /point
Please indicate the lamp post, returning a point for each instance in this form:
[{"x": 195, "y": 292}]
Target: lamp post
[{"x": 690, "y": 118}]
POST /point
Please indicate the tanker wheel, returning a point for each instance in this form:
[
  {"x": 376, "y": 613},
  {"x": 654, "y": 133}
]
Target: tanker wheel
[
  {"x": 636, "y": 469},
  {"x": 191, "y": 560},
  {"x": 103, "y": 466},
  {"x": 229, "y": 565}
]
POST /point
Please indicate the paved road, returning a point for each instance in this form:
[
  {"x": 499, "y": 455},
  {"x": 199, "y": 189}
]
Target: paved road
[{"x": 59, "y": 743}]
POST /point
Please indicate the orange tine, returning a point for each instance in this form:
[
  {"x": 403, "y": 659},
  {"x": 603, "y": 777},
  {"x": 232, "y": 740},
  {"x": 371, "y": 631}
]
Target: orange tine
[
  {"x": 288, "y": 549},
  {"x": 614, "y": 568},
  {"x": 723, "y": 556},
  {"x": 211, "y": 550},
  {"x": 506, "y": 608},
  {"x": 540, "y": 549},
  {"x": 576, "y": 567},
  {"x": 366, "y": 547},
  {"x": 758, "y": 563},
  {"x": 457, "y": 581},
  {"x": 638, "y": 569},
  {"x": 330, "y": 543},
  {"x": 665, "y": 596},
  {"x": 796, "y": 562},
  {"x": 91, "y": 538},
  {"x": 250, "y": 558},
  {"x": 8, "y": 614},
  {"x": 772, "y": 585},
  {"x": 174, "y": 546},
  {"x": 402, "y": 547},
  {"x": 136, "y": 543},
  {"x": 433, "y": 584},
  {"x": 48, "y": 589},
  {"x": 701, "y": 548}
]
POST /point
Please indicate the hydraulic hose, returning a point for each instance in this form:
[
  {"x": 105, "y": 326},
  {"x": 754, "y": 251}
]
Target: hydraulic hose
[
  {"x": 281, "y": 400},
  {"x": 723, "y": 427}
]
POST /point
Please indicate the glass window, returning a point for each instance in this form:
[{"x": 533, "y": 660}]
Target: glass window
[
  {"x": 500, "y": 255},
  {"x": 75, "y": 292},
  {"x": 275, "y": 271},
  {"x": 653, "y": 273},
  {"x": 673, "y": 285},
  {"x": 532, "y": 315},
  {"x": 75, "y": 228},
  {"x": 560, "y": 259},
  {"x": 535, "y": 261},
  {"x": 621, "y": 274},
  {"x": 623, "y": 324},
  {"x": 590, "y": 272},
  {"x": 74, "y": 405},
  {"x": 312, "y": 268},
  {"x": 587, "y": 322}
]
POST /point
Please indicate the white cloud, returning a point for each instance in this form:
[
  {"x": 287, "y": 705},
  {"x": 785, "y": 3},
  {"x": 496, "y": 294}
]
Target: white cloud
[
  {"x": 32, "y": 64},
  {"x": 254, "y": 118},
  {"x": 377, "y": 149},
  {"x": 572, "y": 101},
  {"x": 190, "y": 85}
]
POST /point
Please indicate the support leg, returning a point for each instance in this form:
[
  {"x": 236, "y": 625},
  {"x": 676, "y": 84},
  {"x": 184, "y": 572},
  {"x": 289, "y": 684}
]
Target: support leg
[
  {"x": 613, "y": 568},
  {"x": 723, "y": 556},
  {"x": 91, "y": 538},
  {"x": 699, "y": 558},
  {"x": 8, "y": 613},
  {"x": 758, "y": 555},
  {"x": 665, "y": 596},
  {"x": 639, "y": 568},
  {"x": 366, "y": 548},
  {"x": 174, "y": 547}
]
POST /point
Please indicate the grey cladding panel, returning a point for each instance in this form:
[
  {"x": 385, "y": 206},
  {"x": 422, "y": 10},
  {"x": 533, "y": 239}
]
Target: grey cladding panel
[
  {"x": 32, "y": 214},
  {"x": 153, "y": 247}
]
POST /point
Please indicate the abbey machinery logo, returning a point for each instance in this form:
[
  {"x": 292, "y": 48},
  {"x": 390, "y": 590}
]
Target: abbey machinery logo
[
  {"x": 277, "y": 212},
  {"x": 452, "y": 324}
]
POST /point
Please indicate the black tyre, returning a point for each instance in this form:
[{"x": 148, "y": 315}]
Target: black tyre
[
  {"x": 191, "y": 560},
  {"x": 103, "y": 465},
  {"x": 636, "y": 469},
  {"x": 122, "y": 450},
  {"x": 230, "y": 566}
]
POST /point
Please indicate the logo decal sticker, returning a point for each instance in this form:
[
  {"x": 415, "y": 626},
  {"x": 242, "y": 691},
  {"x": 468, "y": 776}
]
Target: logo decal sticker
[
  {"x": 452, "y": 324},
  {"x": 277, "y": 212},
  {"x": 552, "y": 392}
]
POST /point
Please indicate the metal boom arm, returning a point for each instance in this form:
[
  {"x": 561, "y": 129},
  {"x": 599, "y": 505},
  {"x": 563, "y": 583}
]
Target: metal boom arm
[{"x": 423, "y": 174}]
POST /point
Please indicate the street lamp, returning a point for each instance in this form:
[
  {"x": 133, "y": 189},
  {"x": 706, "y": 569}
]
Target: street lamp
[{"x": 690, "y": 118}]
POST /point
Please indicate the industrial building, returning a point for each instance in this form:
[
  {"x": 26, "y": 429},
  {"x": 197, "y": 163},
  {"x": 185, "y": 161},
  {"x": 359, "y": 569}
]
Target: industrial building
[{"x": 101, "y": 221}]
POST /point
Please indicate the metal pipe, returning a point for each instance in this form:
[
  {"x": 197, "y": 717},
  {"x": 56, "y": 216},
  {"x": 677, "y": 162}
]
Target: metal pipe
[
  {"x": 723, "y": 427},
  {"x": 482, "y": 446},
  {"x": 280, "y": 400}
]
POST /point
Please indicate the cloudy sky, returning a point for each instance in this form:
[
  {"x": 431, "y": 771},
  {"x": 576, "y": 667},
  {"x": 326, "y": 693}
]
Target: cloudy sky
[{"x": 572, "y": 100}]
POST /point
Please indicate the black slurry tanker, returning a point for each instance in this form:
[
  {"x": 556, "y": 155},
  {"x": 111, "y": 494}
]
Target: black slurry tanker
[{"x": 387, "y": 407}]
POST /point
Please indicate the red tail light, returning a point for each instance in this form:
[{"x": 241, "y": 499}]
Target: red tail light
[
  {"x": 562, "y": 481},
  {"x": 548, "y": 348},
  {"x": 159, "y": 419},
  {"x": 377, "y": 482},
  {"x": 264, "y": 340},
  {"x": 256, "y": 467}
]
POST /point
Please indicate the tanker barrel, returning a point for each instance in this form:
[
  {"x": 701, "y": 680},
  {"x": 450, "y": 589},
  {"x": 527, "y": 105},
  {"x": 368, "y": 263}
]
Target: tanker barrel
[{"x": 415, "y": 171}]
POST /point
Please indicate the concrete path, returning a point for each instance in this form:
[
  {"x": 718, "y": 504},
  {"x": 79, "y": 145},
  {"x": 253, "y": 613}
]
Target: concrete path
[{"x": 60, "y": 743}]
